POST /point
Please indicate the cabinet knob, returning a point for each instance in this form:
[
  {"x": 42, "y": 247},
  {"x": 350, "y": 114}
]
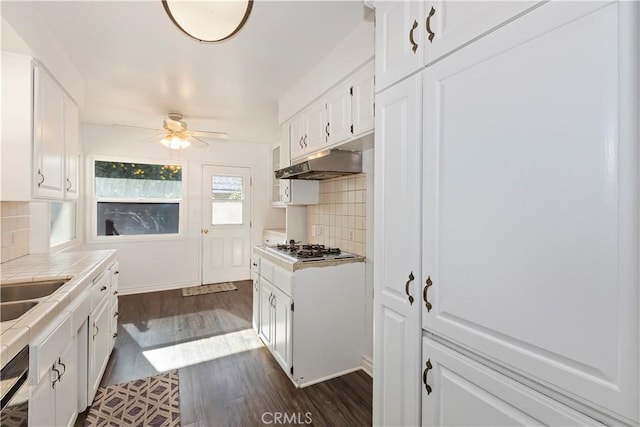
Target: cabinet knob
[
  {"x": 115, "y": 314},
  {"x": 115, "y": 292},
  {"x": 115, "y": 335},
  {"x": 104, "y": 288}
]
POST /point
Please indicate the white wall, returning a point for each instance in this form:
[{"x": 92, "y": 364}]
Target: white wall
[
  {"x": 356, "y": 49},
  {"x": 174, "y": 263},
  {"x": 24, "y": 31}
]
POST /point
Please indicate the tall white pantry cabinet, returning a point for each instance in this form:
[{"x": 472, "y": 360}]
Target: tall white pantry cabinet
[{"x": 507, "y": 213}]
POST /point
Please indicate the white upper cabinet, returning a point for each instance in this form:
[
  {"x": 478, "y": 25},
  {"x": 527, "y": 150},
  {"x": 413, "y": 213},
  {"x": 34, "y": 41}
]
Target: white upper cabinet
[
  {"x": 338, "y": 115},
  {"x": 72, "y": 150},
  {"x": 396, "y": 347},
  {"x": 275, "y": 183},
  {"x": 362, "y": 101},
  {"x": 530, "y": 201},
  {"x": 412, "y": 34},
  {"x": 307, "y": 131},
  {"x": 342, "y": 114},
  {"x": 314, "y": 139},
  {"x": 48, "y": 138},
  {"x": 450, "y": 25},
  {"x": 40, "y": 130},
  {"x": 399, "y": 40}
]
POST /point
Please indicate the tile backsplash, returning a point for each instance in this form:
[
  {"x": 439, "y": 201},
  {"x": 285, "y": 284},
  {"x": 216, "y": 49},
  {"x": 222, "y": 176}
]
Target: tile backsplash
[
  {"x": 340, "y": 218},
  {"x": 14, "y": 229}
]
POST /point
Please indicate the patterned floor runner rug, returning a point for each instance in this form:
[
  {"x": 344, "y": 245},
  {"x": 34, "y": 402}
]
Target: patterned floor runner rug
[{"x": 152, "y": 401}]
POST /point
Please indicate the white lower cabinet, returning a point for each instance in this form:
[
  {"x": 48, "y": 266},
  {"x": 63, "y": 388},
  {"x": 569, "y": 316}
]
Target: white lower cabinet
[
  {"x": 53, "y": 398},
  {"x": 311, "y": 319},
  {"x": 265, "y": 329},
  {"x": 256, "y": 301},
  {"x": 282, "y": 327},
  {"x": 276, "y": 322},
  {"x": 99, "y": 344},
  {"x": 458, "y": 391}
]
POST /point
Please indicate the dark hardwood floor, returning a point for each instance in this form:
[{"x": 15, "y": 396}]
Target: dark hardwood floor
[{"x": 227, "y": 376}]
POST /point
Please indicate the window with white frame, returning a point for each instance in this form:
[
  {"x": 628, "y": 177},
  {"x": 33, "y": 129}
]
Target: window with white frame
[{"x": 135, "y": 199}]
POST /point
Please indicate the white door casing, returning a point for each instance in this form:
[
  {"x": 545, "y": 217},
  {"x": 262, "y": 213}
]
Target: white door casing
[
  {"x": 226, "y": 224},
  {"x": 530, "y": 200}
]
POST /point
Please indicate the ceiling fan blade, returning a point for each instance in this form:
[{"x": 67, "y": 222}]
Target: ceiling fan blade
[
  {"x": 135, "y": 128},
  {"x": 209, "y": 134},
  {"x": 200, "y": 142}
]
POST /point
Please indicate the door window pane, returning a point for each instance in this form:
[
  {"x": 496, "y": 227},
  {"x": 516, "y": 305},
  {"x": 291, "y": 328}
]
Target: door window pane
[
  {"x": 227, "y": 196},
  {"x": 122, "y": 218}
]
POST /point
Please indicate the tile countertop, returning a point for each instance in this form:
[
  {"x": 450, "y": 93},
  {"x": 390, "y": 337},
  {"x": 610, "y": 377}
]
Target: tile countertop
[
  {"x": 294, "y": 266},
  {"x": 75, "y": 266}
]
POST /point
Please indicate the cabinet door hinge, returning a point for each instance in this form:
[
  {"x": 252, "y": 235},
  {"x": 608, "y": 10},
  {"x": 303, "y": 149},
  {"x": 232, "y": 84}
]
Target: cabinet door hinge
[
  {"x": 351, "y": 91},
  {"x": 291, "y": 370},
  {"x": 351, "y": 129},
  {"x": 250, "y": 224},
  {"x": 250, "y": 180},
  {"x": 374, "y": 109},
  {"x": 291, "y": 306}
]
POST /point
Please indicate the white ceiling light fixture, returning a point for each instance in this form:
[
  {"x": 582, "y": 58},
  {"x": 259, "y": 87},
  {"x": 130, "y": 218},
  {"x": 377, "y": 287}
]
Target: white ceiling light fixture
[{"x": 208, "y": 21}]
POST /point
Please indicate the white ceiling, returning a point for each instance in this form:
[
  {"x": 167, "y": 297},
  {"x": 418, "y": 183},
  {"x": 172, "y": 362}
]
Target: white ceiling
[{"x": 137, "y": 66}]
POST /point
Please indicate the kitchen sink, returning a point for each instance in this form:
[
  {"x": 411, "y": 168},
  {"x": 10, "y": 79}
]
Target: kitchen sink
[
  {"x": 29, "y": 290},
  {"x": 13, "y": 310}
]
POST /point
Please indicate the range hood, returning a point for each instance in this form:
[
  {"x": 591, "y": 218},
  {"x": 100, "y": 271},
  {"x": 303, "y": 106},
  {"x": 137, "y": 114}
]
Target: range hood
[{"x": 324, "y": 165}]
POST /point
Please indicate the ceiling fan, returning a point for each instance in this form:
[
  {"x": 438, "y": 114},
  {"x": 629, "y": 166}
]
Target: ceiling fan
[{"x": 175, "y": 134}]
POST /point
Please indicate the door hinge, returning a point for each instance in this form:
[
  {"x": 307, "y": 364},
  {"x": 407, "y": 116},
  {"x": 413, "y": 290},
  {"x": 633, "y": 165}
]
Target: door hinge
[
  {"x": 250, "y": 180},
  {"x": 291, "y": 370},
  {"x": 351, "y": 91},
  {"x": 250, "y": 224},
  {"x": 374, "y": 109},
  {"x": 352, "y": 129},
  {"x": 291, "y": 306}
]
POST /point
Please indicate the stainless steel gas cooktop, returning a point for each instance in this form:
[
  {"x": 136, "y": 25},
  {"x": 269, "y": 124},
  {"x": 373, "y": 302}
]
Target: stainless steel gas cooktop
[{"x": 309, "y": 252}]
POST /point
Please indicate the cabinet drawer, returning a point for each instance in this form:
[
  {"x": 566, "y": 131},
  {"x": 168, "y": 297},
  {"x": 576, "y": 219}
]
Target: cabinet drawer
[
  {"x": 114, "y": 272},
  {"x": 100, "y": 288},
  {"x": 46, "y": 350}
]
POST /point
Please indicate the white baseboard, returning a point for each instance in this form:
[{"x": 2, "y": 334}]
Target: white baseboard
[
  {"x": 367, "y": 366},
  {"x": 154, "y": 288},
  {"x": 303, "y": 383}
]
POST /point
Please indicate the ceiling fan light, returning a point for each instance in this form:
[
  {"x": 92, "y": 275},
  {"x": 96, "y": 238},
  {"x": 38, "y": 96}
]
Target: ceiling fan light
[
  {"x": 208, "y": 21},
  {"x": 175, "y": 143}
]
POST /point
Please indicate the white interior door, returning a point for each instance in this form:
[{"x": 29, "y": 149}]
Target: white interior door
[{"x": 226, "y": 224}]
